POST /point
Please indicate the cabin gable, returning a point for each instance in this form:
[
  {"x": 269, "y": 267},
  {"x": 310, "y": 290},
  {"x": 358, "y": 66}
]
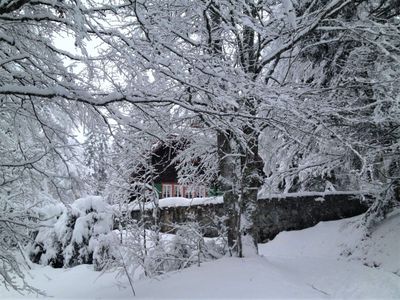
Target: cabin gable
[{"x": 163, "y": 160}]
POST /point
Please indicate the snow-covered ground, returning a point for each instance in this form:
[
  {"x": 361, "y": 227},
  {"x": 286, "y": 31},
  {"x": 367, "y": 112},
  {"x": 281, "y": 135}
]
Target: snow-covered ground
[{"x": 299, "y": 264}]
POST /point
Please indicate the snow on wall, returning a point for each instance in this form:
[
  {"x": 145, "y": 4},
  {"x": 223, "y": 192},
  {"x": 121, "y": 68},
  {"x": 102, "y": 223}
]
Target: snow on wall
[
  {"x": 186, "y": 202},
  {"x": 266, "y": 196},
  {"x": 180, "y": 202}
]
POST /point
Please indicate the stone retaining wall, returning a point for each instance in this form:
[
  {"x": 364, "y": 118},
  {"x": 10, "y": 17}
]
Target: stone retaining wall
[{"x": 275, "y": 214}]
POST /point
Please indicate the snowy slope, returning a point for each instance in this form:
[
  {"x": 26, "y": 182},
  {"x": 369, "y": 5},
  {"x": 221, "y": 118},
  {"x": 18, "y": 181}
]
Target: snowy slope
[
  {"x": 343, "y": 240},
  {"x": 296, "y": 264},
  {"x": 382, "y": 250},
  {"x": 334, "y": 257}
]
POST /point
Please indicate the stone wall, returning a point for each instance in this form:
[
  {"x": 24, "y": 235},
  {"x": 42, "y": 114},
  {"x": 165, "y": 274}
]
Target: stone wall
[
  {"x": 275, "y": 214},
  {"x": 294, "y": 213}
]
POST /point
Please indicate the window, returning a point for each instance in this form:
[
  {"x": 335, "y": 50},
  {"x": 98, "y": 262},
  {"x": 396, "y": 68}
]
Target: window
[
  {"x": 178, "y": 190},
  {"x": 202, "y": 191},
  {"x": 166, "y": 190},
  {"x": 190, "y": 192}
]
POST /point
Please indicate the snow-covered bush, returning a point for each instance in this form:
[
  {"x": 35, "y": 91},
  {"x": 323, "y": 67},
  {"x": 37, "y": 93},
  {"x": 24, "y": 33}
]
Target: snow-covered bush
[
  {"x": 104, "y": 250},
  {"x": 79, "y": 234},
  {"x": 190, "y": 246},
  {"x": 154, "y": 253},
  {"x": 83, "y": 234}
]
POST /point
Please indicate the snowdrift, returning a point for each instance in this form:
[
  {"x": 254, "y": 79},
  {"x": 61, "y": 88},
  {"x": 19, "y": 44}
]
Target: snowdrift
[{"x": 311, "y": 263}]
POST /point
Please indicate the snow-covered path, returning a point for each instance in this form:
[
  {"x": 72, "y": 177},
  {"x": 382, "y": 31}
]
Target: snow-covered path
[
  {"x": 276, "y": 278},
  {"x": 259, "y": 277},
  {"x": 297, "y": 264}
]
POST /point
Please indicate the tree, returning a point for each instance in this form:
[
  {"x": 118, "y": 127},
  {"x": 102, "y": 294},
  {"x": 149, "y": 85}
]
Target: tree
[
  {"x": 38, "y": 155},
  {"x": 350, "y": 60},
  {"x": 219, "y": 60},
  {"x": 97, "y": 160},
  {"x": 251, "y": 71}
]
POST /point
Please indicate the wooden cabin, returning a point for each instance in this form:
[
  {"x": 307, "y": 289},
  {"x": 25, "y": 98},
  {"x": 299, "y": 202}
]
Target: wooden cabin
[{"x": 166, "y": 180}]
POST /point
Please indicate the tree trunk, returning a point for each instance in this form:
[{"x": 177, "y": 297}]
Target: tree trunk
[
  {"x": 240, "y": 196},
  {"x": 251, "y": 181},
  {"x": 251, "y": 163},
  {"x": 228, "y": 185}
]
